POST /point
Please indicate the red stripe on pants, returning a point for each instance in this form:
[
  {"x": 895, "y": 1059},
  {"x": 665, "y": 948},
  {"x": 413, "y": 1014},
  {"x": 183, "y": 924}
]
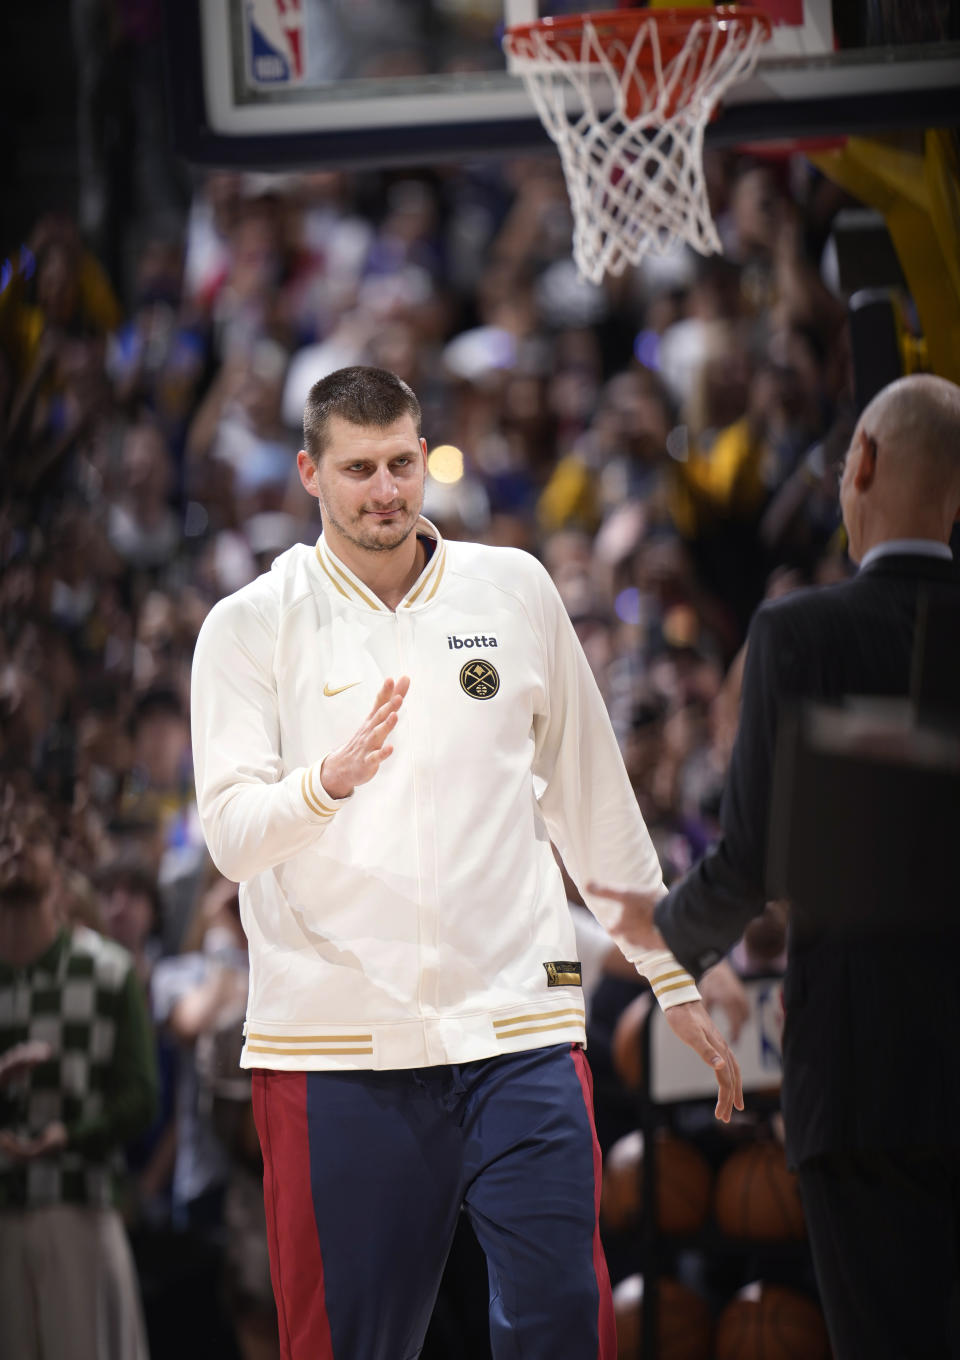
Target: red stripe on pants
[
  {"x": 296, "y": 1264},
  {"x": 606, "y": 1322}
]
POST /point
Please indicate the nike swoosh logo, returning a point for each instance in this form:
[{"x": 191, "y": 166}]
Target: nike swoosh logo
[{"x": 331, "y": 692}]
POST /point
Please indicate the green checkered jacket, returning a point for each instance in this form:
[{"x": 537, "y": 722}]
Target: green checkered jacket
[{"x": 82, "y": 997}]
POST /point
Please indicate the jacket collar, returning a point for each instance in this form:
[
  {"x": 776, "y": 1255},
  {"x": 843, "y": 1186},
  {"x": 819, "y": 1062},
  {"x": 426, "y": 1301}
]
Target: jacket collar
[
  {"x": 917, "y": 565},
  {"x": 340, "y": 578}
]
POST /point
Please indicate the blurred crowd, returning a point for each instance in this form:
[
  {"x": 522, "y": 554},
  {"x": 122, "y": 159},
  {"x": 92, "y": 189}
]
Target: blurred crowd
[{"x": 667, "y": 443}]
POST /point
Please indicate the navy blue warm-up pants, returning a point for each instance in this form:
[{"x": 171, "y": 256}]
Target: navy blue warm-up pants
[{"x": 364, "y": 1177}]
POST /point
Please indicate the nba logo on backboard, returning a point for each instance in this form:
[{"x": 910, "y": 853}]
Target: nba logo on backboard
[{"x": 275, "y": 42}]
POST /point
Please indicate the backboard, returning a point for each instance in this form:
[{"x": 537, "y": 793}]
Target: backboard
[{"x": 294, "y": 83}]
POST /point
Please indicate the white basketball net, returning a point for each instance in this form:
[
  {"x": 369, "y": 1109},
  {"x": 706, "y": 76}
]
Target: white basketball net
[{"x": 631, "y": 137}]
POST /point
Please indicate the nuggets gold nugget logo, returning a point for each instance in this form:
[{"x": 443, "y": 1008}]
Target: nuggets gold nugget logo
[{"x": 479, "y": 679}]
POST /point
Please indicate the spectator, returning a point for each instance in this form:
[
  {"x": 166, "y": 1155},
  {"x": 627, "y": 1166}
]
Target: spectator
[
  {"x": 142, "y": 528},
  {"x": 77, "y": 1080}
]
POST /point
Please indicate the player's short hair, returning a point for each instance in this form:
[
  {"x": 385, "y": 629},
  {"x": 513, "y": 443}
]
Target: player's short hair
[{"x": 368, "y": 397}]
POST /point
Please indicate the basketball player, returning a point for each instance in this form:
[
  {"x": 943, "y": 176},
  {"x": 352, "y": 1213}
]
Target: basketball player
[{"x": 389, "y": 731}]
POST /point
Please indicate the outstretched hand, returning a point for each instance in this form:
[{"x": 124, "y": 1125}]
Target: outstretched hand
[
  {"x": 636, "y": 915},
  {"x": 691, "y": 1022},
  {"x": 721, "y": 989},
  {"x": 359, "y": 759}
]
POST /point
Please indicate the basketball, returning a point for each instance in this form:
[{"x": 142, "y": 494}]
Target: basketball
[
  {"x": 769, "y": 1322},
  {"x": 627, "y": 1046},
  {"x": 757, "y": 1197},
  {"x": 685, "y": 1330},
  {"x": 684, "y": 1184}
]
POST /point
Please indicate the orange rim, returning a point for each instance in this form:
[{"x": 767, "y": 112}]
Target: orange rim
[
  {"x": 673, "y": 25},
  {"x": 615, "y": 30}
]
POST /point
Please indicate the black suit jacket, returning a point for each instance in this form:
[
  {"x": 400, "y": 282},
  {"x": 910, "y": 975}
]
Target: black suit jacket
[{"x": 872, "y": 1037}]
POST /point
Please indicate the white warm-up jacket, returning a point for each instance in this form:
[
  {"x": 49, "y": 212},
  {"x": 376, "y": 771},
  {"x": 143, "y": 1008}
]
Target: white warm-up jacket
[{"x": 423, "y": 919}]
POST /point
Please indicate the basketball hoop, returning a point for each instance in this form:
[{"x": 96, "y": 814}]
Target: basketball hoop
[{"x": 626, "y": 95}]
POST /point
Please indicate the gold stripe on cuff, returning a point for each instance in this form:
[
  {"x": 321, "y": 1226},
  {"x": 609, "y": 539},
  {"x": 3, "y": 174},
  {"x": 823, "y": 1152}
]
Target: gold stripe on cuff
[
  {"x": 673, "y": 987},
  {"x": 314, "y": 807},
  {"x": 324, "y": 806}
]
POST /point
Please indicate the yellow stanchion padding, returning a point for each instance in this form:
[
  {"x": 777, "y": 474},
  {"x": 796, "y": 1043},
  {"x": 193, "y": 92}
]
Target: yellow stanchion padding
[{"x": 913, "y": 179}]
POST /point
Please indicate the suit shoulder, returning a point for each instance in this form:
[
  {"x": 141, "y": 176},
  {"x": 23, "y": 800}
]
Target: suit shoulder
[
  {"x": 855, "y": 637},
  {"x": 791, "y": 637},
  {"x": 808, "y": 605}
]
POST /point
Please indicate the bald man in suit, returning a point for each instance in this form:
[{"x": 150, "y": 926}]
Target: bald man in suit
[{"x": 871, "y": 1086}]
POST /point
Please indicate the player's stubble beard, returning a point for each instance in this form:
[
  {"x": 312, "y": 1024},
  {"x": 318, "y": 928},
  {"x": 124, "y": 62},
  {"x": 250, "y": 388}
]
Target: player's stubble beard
[{"x": 374, "y": 540}]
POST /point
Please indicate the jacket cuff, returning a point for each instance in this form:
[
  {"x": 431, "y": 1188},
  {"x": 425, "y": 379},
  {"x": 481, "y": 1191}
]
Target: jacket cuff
[
  {"x": 315, "y": 797},
  {"x": 671, "y": 983}
]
